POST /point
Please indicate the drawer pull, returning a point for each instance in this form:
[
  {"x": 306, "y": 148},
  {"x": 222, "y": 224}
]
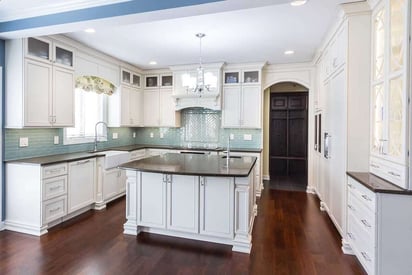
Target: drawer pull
[
  {"x": 365, "y": 256},
  {"x": 83, "y": 162},
  {"x": 56, "y": 170},
  {"x": 375, "y": 166},
  {"x": 366, "y": 198},
  {"x": 55, "y": 209},
  {"x": 350, "y": 185},
  {"x": 351, "y": 207},
  {"x": 54, "y": 188},
  {"x": 365, "y": 223},
  {"x": 351, "y": 236},
  {"x": 394, "y": 174}
]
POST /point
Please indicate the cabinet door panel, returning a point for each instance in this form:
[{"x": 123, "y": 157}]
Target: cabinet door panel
[
  {"x": 216, "y": 206},
  {"x": 251, "y": 102},
  {"x": 231, "y": 106},
  {"x": 183, "y": 203},
  {"x": 110, "y": 186},
  {"x": 125, "y": 105},
  {"x": 38, "y": 93},
  {"x": 151, "y": 107},
  {"x": 136, "y": 107},
  {"x": 81, "y": 184},
  {"x": 167, "y": 108},
  {"x": 63, "y": 97},
  {"x": 152, "y": 200}
]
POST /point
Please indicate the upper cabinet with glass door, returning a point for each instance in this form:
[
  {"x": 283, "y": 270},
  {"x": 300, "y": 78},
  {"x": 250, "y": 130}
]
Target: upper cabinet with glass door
[
  {"x": 389, "y": 112},
  {"x": 130, "y": 78},
  {"x": 51, "y": 51}
]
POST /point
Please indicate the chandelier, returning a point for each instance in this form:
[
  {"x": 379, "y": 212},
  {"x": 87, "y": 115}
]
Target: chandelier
[{"x": 200, "y": 87}]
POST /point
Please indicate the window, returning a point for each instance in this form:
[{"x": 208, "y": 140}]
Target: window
[{"x": 91, "y": 97}]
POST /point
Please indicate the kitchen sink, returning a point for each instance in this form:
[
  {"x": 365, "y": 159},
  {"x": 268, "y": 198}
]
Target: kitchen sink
[{"x": 115, "y": 158}]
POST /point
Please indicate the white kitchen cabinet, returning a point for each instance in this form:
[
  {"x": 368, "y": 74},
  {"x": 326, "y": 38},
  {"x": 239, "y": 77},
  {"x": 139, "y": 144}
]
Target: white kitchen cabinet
[
  {"x": 344, "y": 79},
  {"x": 130, "y": 78},
  {"x": 114, "y": 181},
  {"x": 390, "y": 92},
  {"x": 183, "y": 203},
  {"x": 258, "y": 183},
  {"x": 40, "y": 89},
  {"x": 159, "y": 108},
  {"x": 242, "y": 98},
  {"x": 126, "y": 107},
  {"x": 379, "y": 229},
  {"x": 216, "y": 206},
  {"x": 151, "y": 193},
  {"x": 47, "y": 191},
  {"x": 81, "y": 186}
]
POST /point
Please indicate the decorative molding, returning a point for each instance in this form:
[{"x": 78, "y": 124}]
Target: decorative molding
[
  {"x": 346, "y": 247},
  {"x": 311, "y": 190},
  {"x": 53, "y": 8},
  {"x": 25, "y": 228},
  {"x": 266, "y": 177}
]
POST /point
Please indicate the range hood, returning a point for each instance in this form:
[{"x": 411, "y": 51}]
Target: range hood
[{"x": 208, "y": 101}]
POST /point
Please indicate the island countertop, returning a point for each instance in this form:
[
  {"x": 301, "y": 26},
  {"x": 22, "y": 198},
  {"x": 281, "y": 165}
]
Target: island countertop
[{"x": 193, "y": 164}]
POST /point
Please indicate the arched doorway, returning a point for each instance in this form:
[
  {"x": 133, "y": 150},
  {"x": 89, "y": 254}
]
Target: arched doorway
[{"x": 288, "y": 136}]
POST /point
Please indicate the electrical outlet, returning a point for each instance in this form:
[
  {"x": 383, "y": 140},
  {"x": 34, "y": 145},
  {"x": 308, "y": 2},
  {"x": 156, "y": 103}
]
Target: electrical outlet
[
  {"x": 151, "y": 135},
  {"x": 161, "y": 135},
  {"x": 232, "y": 136},
  {"x": 247, "y": 137},
  {"x": 56, "y": 139},
  {"x": 24, "y": 142},
  {"x": 134, "y": 134},
  {"x": 115, "y": 136}
]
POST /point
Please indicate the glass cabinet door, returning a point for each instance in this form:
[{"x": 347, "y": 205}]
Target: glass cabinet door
[
  {"x": 231, "y": 78},
  {"x": 397, "y": 33},
  {"x": 64, "y": 56},
  {"x": 39, "y": 48},
  {"x": 378, "y": 99},
  {"x": 126, "y": 76},
  {"x": 379, "y": 41},
  {"x": 136, "y": 80},
  {"x": 251, "y": 77},
  {"x": 167, "y": 81},
  {"x": 151, "y": 81},
  {"x": 396, "y": 118}
]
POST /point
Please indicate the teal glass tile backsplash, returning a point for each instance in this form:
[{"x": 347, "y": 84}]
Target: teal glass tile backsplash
[
  {"x": 41, "y": 142},
  {"x": 200, "y": 128}
]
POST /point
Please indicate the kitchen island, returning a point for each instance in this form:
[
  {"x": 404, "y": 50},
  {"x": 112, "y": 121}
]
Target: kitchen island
[{"x": 201, "y": 197}]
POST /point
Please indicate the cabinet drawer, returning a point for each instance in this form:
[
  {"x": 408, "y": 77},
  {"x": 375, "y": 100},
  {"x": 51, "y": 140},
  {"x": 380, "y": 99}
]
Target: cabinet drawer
[
  {"x": 389, "y": 171},
  {"x": 54, "y": 187},
  {"x": 363, "y": 216},
  {"x": 366, "y": 196},
  {"x": 363, "y": 247},
  {"x": 50, "y": 171},
  {"x": 54, "y": 209}
]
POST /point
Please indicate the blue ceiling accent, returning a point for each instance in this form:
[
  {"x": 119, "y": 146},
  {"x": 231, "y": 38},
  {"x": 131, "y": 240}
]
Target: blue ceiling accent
[{"x": 119, "y": 9}]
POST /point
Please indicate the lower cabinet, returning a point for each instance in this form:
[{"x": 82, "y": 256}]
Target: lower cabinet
[
  {"x": 379, "y": 229},
  {"x": 216, "y": 206},
  {"x": 113, "y": 183},
  {"x": 81, "y": 184},
  {"x": 40, "y": 196}
]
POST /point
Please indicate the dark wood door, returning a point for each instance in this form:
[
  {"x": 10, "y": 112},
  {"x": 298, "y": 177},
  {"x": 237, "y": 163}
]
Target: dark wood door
[{"x": 288, "y": 135}]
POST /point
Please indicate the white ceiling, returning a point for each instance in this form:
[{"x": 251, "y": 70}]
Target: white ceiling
[{"x": 258, "y": 31}]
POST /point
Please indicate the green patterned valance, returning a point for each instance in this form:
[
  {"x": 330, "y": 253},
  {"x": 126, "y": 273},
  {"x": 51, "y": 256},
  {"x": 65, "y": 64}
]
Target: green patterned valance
[{"x": 96, "y": 84}]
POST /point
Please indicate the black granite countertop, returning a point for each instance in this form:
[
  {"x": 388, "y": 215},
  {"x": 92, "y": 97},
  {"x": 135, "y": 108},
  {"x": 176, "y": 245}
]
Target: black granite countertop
[
  {"x": 54, "y": 159},
  {"x": 377, "y": 184},
  {"x": 192, "y": 164}
]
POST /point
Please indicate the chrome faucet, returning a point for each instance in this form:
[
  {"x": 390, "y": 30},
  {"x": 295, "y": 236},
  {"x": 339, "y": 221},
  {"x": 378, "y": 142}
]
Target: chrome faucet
[{"x": 95, "y": 133}]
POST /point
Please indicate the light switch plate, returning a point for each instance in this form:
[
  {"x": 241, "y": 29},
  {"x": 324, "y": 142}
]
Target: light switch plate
[
  {"x": 134, "y": 134},
  {"x": 151, "y": 135},
  {"x": 24, "y": 142},
  {"x": 115, "y": 136},
  {"x": 56, "y": 139},
  {"x": 232, "y": 136},
  {"x": 162, "y": 135},
  {"x": 247, "y": 137}
]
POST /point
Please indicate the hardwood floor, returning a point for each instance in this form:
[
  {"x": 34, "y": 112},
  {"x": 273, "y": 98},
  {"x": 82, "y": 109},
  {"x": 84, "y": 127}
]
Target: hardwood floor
[{"x": 290, "y": 236}]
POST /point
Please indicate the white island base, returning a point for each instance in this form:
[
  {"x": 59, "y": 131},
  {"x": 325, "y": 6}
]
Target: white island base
[{"x": 213, "y": 209}]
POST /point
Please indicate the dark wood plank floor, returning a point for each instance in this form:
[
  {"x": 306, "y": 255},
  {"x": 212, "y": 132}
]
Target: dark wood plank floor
[{"x": 291, "y": 236}]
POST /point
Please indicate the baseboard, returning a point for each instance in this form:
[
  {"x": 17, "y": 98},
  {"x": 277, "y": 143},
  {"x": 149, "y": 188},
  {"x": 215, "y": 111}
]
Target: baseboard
[
  {"x": 266, "y": 177},
  {"x": 1, "y": 226},
  {"x": 25, "y": 228},
  {"x": 346, "y": 248},
  {"x": 311, "y": 190}
]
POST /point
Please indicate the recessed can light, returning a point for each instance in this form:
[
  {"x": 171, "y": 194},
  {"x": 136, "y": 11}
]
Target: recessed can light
[
  {"x": 296, "y": 3},
  {"x": 90, "y": 30},
  {"x": 152, "y": 63},
  {"x": 289, "y": 52}
]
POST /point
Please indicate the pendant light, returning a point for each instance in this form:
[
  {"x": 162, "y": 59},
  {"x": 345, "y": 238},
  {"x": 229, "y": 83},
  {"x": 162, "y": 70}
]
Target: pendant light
[{"x": 200, "y": 78}]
